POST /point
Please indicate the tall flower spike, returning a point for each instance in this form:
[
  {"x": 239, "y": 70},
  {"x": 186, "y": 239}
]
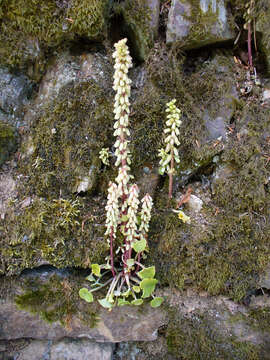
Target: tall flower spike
[
  {"x": 133, "y": 204},
  {"x": 169, "y": 155},
  {"x": 112, "y": 210},
  {"x": 147, "y": 204},
  {"x": 121, "y": 85}
]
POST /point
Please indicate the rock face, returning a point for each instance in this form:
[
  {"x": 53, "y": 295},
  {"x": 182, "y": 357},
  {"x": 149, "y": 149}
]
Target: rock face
[
  {"x": 15, "y": 92},
  {"x": 141, "y": 21},
  {"x": 262, "y": 21},
  {"x": 196, "y": 24},
  {"x": 213, "y": 272},
  {"x": 68, "y": 349}
]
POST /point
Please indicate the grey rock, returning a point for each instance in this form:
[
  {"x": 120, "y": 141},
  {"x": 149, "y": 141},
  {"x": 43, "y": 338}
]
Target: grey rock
[
  {"x": 121, "y": 324},
  {"x": 65, "y": 349},
  {"x": 15, "y": 92},
  {"x": 80, "y": 350},
  {"x": 216, "y": 127},
  {"x": 198, "y": 24},
  {"x": 142, "y": 32},
  {"x": 67, "y": 68}
]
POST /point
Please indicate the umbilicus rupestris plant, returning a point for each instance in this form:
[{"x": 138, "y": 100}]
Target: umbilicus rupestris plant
[{"x": 130, "y": 282}]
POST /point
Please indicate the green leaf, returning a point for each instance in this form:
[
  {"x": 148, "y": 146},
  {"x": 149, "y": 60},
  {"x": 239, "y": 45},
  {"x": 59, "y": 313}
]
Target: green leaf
[
  {"x": 86, "y": 295},
  {"x": 147, "y": 273},
  {"x": 122, "y": 302},
  {"x": 126, "y": 293},
  {"x": 96, "y": 269},
  {"x": 137, "y": 289},
  {"x": 137, "y": 302},
  {"x": 105, "y": 303},
  {"x": 148, "y": 286},
  {"x": 156, "y": 302},
  {"x": 139, "y": 246},
  {"x": 90, "y": 278},
  {"x": 130, "y": 262}
]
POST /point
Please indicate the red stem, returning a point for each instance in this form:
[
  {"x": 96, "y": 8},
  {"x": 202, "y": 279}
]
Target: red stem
[
  {"x": 171, "y": 176},
  {"x": 249, "y": 47}
]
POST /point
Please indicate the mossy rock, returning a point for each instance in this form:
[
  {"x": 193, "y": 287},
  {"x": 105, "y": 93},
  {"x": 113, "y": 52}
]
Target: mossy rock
[
  {"x": 262, "y": 17},
  {"x": 29, "y": 29},
  {"x": 193, "y": 24},
  {"x": 8, "y": 141},
  {"x": 138, "y": 24}
]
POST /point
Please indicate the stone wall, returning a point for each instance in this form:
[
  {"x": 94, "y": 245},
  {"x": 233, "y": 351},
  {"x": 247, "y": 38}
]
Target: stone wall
[{"x": 56, "y": 102}]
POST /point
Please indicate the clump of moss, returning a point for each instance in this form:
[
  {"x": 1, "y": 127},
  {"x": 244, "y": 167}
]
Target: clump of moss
[
  {"x": 137, "y": 18},
  {"x": 67, "y": 137},
  {"x": 30, "y": 28},
  {"x": 56, "y": 300},
  {"x": 193, "y": 337},
  {"x": 8, "y": 141},
  {"x": 229, "y": 253},
  {"x": 59, "y": 231}
]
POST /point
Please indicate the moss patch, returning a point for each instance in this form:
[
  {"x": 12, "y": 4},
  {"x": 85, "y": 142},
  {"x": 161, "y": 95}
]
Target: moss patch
[
  {"x": 194, "y": 338},
  {"x": 30, "y": 28},
  {"x": 137, "y": 17},
  {"x": 56, "y": 300},
  {"x": 8, "y": 141}
]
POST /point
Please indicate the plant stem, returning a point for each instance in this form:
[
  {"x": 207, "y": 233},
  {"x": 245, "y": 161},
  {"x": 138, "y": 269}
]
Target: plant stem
[
  {"x": 171, "y": 175},
  {"x": 249, "y": 47}
]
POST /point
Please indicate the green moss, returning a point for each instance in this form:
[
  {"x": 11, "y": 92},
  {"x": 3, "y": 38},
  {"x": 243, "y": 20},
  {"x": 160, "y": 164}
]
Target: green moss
[
  {"x": 260, "y": 318},
  {"x": 137, "y": 17},
  {"x": 61, "y": 232},
  {"x": 56, "y": 300},
  {"x": 30, "y": 28},
  {"x": 81, "y": 119},
  {"x": 229, "y": 253},
  {"x": 8, "y": 141},
  {"x": 194, "y": 338}
]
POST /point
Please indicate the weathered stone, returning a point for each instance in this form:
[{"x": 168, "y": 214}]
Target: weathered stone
[
  {"x": 121, "y": 324},
  {"x": 141, "y": 22},
  {"x": 197, "y": 24},
  {"x": 7, "y": 192},
  {"x": 68, "y": 349},
  {"x": 195, "y": 203},
  {"x": 15, "y": 91}
]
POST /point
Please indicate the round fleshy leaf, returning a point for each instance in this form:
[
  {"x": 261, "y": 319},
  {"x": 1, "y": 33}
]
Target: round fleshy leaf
[
  {"x": 86, "y": 295},
  {"x": 139, "y": 246},
  {"x": 137, "y": 302},
  {"x": 136, "y": 289},
  {"x": 96, "y": 269},
  {"x": 126, "y": 293},
  {"x": 156, "y": 302},
  {"x": 147, "y": 273},
  {"x": 148, "y": 286},
  {"x": 90, "y": 278},
  {"x": 122, "y": 302},
  {"x": 105, "y": 303}
]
